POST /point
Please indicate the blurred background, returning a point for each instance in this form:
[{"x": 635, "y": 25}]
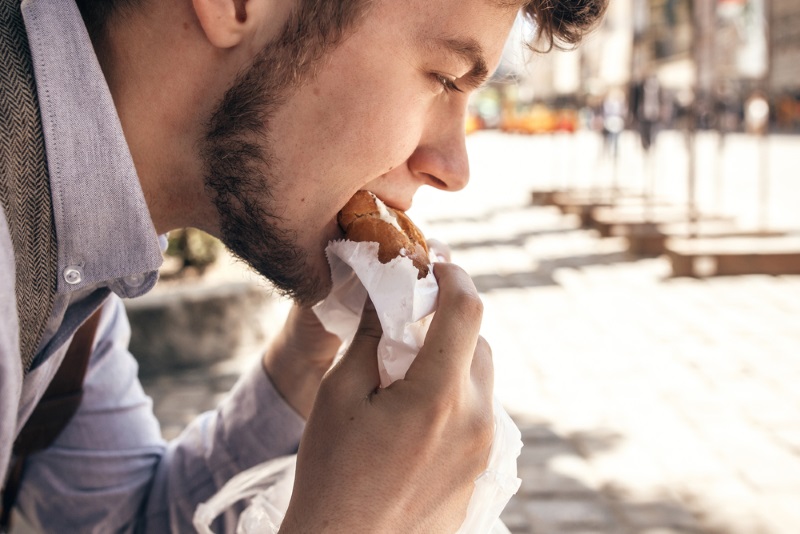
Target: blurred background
[{"x": 632, "y": 224}]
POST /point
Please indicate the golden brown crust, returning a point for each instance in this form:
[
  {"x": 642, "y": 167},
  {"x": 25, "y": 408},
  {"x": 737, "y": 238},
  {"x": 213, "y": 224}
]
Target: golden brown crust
[
  {"x": 361, "y": 220},
  {"x": 361, "y": 204}
]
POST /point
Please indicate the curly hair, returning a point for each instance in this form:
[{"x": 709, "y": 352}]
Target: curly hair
[{"x": 561, "y": 24}]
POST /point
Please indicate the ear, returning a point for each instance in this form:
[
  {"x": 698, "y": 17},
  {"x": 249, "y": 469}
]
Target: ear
[{"x": 223, "y": 21}]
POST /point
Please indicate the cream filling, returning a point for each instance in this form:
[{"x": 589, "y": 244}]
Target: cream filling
[{"x": 385, "y": 214}]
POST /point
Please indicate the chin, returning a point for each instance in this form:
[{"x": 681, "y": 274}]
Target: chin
[
  {"x": 319, "y": 281},
  {"x": 314, "y": 285},
  {"x": 320, "y": 291},
  {"x": 298, "y": 271}
]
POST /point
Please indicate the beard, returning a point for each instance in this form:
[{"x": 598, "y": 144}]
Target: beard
[
  {"x": 251, "y": 227},
  {"x": 240, "y": 163},
  {"x": 240, "y": 179}
]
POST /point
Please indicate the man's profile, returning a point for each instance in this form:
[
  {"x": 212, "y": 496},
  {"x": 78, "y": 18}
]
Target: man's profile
[{"x": 256, "y": 121}]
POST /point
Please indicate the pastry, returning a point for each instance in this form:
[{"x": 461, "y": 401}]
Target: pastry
[{"x": 366, "y": 218}]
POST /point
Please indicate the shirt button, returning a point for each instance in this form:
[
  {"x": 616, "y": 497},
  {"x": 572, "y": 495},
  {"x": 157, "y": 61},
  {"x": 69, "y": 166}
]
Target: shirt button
[
  {"x": 73, "y": 275},
  {"x": 134, "y": 280}
]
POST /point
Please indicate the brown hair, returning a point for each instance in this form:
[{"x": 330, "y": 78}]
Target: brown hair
[{"x": 561, "y": 24}]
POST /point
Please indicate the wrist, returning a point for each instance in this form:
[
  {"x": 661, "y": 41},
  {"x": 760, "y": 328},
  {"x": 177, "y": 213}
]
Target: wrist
[
  {"x": 299, "y": 357},
  {"x": 295, "y": 375}
]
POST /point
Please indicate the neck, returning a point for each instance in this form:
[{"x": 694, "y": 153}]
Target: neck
[{"x": 152, "y": 67}]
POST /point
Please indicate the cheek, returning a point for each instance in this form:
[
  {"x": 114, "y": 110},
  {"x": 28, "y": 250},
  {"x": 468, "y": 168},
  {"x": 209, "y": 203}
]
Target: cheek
[
  {"x": 377, "y": 127},
  {"x": 339, "y": 133},
  {"x": 359, "y": 124}
]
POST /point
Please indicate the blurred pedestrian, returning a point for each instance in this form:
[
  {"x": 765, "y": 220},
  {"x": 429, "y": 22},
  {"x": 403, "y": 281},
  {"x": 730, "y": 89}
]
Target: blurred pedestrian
[
  {"x": 756, "y": 113},
  {"x": 646, "y": 106}
]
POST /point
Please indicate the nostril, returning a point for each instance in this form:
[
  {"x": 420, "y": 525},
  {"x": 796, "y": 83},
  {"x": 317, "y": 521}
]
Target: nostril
[{"x": 437, "y": 182}]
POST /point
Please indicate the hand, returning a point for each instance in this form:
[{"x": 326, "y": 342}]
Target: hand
[
  {"x": 403, "y": 458},
  {"x": 299, "y": 357}
]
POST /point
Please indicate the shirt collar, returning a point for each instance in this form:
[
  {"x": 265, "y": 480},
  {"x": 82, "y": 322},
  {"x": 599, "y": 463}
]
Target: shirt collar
[{"x": 103, "y": 227}]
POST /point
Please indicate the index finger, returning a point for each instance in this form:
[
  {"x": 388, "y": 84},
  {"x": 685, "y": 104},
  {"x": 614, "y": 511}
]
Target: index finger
[{"x": 450, "y": 343}]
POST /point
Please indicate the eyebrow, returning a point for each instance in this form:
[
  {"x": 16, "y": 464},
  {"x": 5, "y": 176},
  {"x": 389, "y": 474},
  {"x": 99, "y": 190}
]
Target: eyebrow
[{"x": 468, "y": 50}]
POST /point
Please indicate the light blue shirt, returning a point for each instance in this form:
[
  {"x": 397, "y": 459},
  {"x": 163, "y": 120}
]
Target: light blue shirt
[{"x": 110, "y": 470}]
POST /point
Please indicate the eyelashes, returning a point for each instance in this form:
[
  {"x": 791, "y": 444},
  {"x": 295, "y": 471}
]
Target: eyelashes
[{"x": 449, "y": 84}]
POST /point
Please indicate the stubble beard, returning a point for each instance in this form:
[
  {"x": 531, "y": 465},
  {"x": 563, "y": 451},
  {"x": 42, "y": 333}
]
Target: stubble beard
[
  {"x": 240, "y": 179},
  {"x": 239, "y": 157}
]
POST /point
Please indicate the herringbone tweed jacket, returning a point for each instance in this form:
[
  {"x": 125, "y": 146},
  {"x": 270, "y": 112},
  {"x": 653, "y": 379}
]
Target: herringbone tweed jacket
[{"x": 24, "y": 183}]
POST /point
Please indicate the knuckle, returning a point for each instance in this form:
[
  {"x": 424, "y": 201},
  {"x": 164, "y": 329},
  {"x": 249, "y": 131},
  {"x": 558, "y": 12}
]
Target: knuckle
[
  {"x": 470, "y": 304},
  {"x": 439, "y": 411},
  {"x": 441, "y": 408}
]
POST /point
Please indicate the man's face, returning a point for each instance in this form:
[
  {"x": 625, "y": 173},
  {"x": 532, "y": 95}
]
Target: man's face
[{"x": 382, "y": 112}]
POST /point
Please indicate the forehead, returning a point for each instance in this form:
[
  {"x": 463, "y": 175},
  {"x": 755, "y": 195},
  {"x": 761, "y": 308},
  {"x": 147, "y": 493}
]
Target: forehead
[{"x": 465, "y": 26}]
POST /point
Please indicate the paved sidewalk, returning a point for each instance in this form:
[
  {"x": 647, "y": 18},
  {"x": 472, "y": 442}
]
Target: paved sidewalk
[{"x": 648, "y": 405}]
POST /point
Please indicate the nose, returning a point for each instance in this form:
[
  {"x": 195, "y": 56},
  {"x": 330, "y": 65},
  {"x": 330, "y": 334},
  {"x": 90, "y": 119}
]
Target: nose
[{"x": 440, "y": 159}]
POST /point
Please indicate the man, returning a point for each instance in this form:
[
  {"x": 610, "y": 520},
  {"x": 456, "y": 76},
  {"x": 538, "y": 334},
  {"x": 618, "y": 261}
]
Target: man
[{"x": 254, "y": 120}]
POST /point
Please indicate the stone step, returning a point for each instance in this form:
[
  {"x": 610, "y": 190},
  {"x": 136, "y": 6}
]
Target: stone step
[
  {"x": 721, "y": 256},
  {"x": 649, "y": 239},
  {"x": 606, "y": 219},
  {"x": 583, "y": 203}
]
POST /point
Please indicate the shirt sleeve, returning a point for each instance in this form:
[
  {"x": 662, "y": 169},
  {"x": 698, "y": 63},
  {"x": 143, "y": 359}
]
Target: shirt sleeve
[{"x": 110, "y": 470}]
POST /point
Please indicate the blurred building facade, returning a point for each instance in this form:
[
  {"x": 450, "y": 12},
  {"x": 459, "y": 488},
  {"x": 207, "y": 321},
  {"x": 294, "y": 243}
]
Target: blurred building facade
[
  {"x": 707, "y": 58},
  {"x": 785, "y": 46}
]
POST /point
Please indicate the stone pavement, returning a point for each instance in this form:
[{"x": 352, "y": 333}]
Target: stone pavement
[{"x": 648, "y": 405}]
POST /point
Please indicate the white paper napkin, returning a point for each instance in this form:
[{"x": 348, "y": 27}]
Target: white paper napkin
[{"x": 405, "y": 305}]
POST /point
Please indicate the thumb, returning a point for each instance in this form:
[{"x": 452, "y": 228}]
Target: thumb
[{"x": 359, "y": 365}]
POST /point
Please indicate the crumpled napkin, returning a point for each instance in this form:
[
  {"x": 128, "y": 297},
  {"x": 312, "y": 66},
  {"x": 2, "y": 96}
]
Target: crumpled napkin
[{"x": 405, "y": 305}]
